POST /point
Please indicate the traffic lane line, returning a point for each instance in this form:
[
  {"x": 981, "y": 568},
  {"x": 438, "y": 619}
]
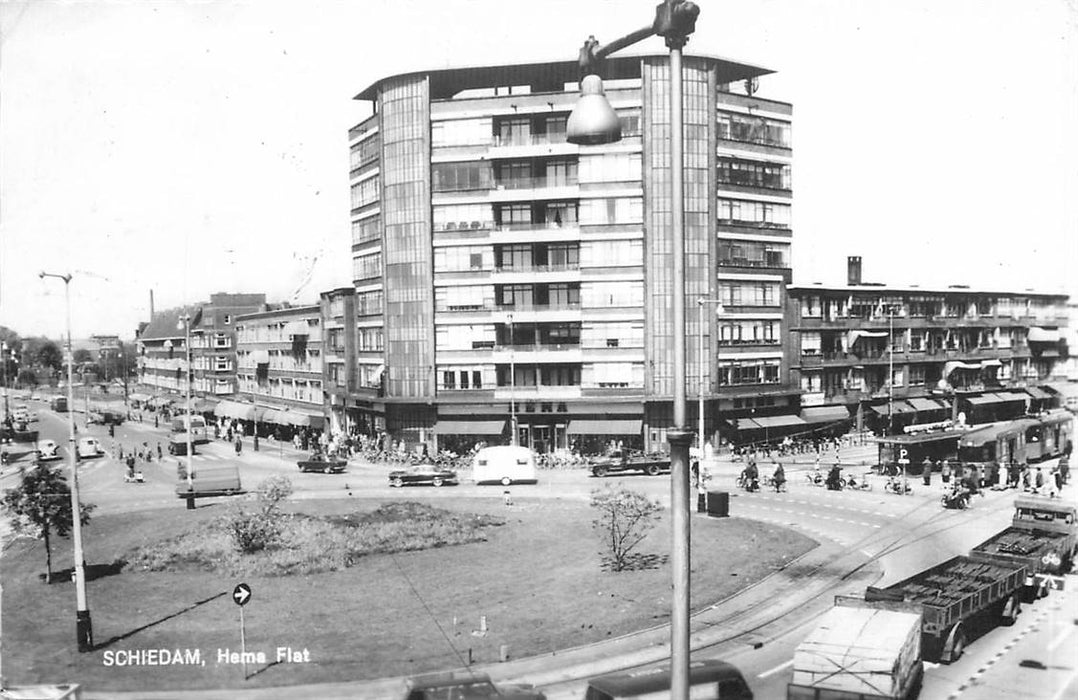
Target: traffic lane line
[{"x": 776, "y": 669}]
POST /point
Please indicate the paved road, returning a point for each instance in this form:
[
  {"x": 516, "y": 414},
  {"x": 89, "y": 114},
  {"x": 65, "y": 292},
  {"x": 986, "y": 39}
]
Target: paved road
[{"x": 866, "y": 536}]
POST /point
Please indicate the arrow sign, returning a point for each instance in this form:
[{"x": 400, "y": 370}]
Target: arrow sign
[{"x": 241, "y": 594}]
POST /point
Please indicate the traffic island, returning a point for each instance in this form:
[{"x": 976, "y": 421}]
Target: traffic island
[{"x": 532, "y": 585}]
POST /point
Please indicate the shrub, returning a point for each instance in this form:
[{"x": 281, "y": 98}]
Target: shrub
[{"x": 625, "y": 519}]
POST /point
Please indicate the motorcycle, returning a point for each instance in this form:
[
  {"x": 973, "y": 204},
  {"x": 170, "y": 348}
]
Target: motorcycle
[
  {"x": 863, "y": 485},
  {"x": 957, "y": 499},
  {"x": 899, "y": 486}
]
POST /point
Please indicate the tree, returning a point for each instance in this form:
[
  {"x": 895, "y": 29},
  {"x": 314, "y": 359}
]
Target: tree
[
  {"x": 41, "y": 504},
  {"x": 625, "y": 519},
  {"x": 82, "y": 356},
  {"x": 44, "y": 353}
]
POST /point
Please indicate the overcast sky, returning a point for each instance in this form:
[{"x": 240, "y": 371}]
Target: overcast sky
[{"x": 194, "y": 147}]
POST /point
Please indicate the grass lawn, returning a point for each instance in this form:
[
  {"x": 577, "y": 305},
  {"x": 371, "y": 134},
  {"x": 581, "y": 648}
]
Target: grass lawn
[{"x": 537, "y": 579}]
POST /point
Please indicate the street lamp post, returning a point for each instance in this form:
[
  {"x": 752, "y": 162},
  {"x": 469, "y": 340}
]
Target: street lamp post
[
  {"x": 3, "y": 357},
  {"x": 700, "y": 303},
  {"x": 84, "y": 629},
  {"x": 185, "y": 320},
  {"x": 593, "y": 121}
]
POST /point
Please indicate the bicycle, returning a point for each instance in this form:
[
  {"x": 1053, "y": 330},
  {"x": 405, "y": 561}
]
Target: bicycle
[
  {"x": 772, "y": 483},
  {"x": 814, "y": 478},
  {"x": 863, "y": 485}
]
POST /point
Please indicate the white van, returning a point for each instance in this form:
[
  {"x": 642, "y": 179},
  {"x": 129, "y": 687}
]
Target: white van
[
  {"x": 504, "y": 464},
  {"x": 89, "y": 447}
]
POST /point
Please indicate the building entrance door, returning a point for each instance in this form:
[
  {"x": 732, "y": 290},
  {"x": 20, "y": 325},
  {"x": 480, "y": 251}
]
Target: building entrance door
[{"x": 541, "y": 436}]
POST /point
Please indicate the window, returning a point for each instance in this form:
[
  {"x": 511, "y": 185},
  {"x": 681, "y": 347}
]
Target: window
[
  {"x": 738, "y": 211},
  {"x": 613, "y": 210},
  {"x": 454, "y": 217},
  {"x": 810, "y": 343},
  {"x": 752, "y": 129},
  {"x": 450, "y": 177},
  {"x": 749, "y": 372},
  {"x": 612, "y": 294},
  {"x": 749, "y": 294},
  {"x": 460, "y": 298},
  {"x": 367, "y": 266},
  {"x": 228, "y": 319},
  {"x": 611, "y": 253},
  {"x": 459, "y": 258},
  {"x": 610, "y": 167},
  {"x": 460, "y": 132},
  {"x": 364, "y": 193},
  {"x": 364, "y": 230},
  {"x": 751, "y": 173}
]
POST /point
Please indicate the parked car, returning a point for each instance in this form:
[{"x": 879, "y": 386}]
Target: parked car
[
  {"x": 47, "y": 451},
  {"x": 441, "y": 686},
  {"x": 423, "y": 475},
  {"x": 89, "y": 447},
  {"x": 319, "y": 462},
  {"x": 708, "y": 680}
]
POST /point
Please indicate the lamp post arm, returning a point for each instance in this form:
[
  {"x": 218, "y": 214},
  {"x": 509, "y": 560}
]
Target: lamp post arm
[{"x": 592, "y": 52}]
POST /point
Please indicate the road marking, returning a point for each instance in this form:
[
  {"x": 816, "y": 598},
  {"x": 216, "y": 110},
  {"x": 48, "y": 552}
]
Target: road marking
[
  {"x": 1066, "y": 686},
  {"x": 1060, "y": 637},
  {"x": 771, "y": 672}
]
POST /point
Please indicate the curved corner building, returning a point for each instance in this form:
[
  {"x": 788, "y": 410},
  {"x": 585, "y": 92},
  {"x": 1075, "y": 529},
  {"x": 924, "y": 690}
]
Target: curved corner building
[{"x": 503, "y": 273}]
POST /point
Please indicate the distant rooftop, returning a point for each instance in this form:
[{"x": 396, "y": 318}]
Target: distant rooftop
[
  {"x": 872, "y": 287},
  {"x": 551, "y": 76}
]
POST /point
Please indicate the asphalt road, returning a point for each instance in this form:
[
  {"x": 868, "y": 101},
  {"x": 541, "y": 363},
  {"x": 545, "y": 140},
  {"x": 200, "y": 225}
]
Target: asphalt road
[{"x": 868, "y": 536}]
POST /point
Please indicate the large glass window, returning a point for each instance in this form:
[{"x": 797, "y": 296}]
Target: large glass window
[
  {"x": 752, "y": 173},
  {"x": 365, "y": 152},
  {"x": 367, "y": 266},
  {"x": 461, "y": 132},
  {"x": 450, "y": 177},
  {"x": 735, "y": 373},
  {"x": 738, "y": 211},
  {"x": 753, "y": 254},
  {"x": 749, "y": 293},
  {"x": 614, "y": 210},
  {"x": 459, "y": 258},
  {"x": 363, "y": 193},
  {"x": 612, "y": 294},
  {"x": 610, "y": 167},
  {"x": 369, "y": 303},
  {"x": 611, "y": 253},
  {"x": 364, "y": 230},
  {"x": 752, "y": 129},
  {"x": 456, "y": 217}
]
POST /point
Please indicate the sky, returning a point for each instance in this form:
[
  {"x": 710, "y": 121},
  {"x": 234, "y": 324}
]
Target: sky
[{"x": 194, "y": 147}]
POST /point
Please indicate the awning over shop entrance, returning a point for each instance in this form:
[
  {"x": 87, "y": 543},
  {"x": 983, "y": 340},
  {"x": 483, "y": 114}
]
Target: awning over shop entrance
[
  {"x": 825, "y": 414},
  {"x": 1043, "y": 335},
  {"x": 926, "y": 404},
  {"x": 242, "y": 411},
  {"x": 272, "y": 415},
  {"x": 203, "y": 405},
  {"x": 469, "y": 427},
  {"x": 604, "y": 427},
  {"x": 897, "y": 407},
  {"x": 776, "y": 421}
]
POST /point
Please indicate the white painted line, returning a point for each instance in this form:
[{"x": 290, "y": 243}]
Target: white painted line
[
  {"x": 773, "y": 671},
  {"x": 1065, "y": 687},
  {"x": 1060, "y": 637}
]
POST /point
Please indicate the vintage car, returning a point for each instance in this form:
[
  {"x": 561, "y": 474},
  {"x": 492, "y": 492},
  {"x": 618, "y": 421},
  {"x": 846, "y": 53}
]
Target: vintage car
[
  {"x": 47, "y": 451},
  {"x": 89, "y": 447},
  {"x": 423, "y": 475},
  {"x": 326, "y": 464}
]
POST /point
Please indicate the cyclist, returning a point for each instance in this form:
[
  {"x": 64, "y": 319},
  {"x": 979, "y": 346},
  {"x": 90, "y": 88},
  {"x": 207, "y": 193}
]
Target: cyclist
[
  {"x": 752, "y": 477},
  {"x": 833, "y": 478},
  {"x": 779, "y": 477}
]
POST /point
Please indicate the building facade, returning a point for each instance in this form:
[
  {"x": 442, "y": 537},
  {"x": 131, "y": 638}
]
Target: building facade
[
  {"x": 348, "y": 408},
  {"x": 508, "y": 280},
  {"x": 162, "y": 350},
  {"x": 280, "y": 368},
  {"x": 895, "y": 355}
]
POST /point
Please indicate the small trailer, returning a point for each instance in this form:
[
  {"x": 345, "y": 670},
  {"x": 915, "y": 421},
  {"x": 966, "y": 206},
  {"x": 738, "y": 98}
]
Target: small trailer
[
  {"x": 618, "y": 461},
  {"x": 952, "y": 594},
  {"x": 860, "y": 651},
  {"x": 1042, "y": 537}
]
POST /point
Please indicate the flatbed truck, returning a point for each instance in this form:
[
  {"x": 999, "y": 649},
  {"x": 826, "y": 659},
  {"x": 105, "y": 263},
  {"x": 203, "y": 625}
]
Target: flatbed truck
[
  {"x": 952, "y": 595},
  {"x": 619, "y": 461}
]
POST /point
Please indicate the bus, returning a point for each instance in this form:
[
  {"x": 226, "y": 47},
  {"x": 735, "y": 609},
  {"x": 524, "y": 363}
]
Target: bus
[
  {"x": 58, "y": 404},
  {"x": 198, "y": 428}
]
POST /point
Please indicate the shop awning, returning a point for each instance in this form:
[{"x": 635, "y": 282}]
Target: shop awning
[
  {"x": 604, "y": 427},
  {"x": 825, "y": 414},
  {"x": 297, "y": 328},
  {"x": 853, "y": 336},
  {"x": 985, "y": 400},
  {"x": 272, "y": 415},
  {"x": 1064, "y": 389},
  {"x": 469, "y": 427},
  {"x": 1043, "y": 335},
  {"x": 952, "y": 366},
  {"x": 1010, "y": 396},
  {"x": 301, "y": 418},
  {"x": 926, "y": 404},
  {"x": 897, "y": 407},
  {"x": 1037, "y": 393},
  {"x": 778, "y": 421},
  {"x": 204, "y": 405}
]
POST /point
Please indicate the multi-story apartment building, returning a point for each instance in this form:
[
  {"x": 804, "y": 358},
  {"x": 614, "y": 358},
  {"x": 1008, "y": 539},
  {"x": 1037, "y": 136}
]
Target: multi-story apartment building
[
  {"x": 162, "y": 348},
  {"x": 985, "y": 353},
  {"x": 280, "y": 369},
  {"x": 346, "y": 408},
  {"x": 502, "y": 274}
]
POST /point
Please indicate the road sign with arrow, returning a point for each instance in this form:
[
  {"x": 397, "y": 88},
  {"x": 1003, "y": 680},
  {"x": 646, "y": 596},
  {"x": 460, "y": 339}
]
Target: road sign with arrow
[{"x": 241, "y": 594}]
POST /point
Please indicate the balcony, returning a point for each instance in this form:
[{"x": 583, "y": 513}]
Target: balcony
[
  {"x": 534, "y": 183},
  {"x": 532, "y": 306},
  {"x": 537, "y": 392}
]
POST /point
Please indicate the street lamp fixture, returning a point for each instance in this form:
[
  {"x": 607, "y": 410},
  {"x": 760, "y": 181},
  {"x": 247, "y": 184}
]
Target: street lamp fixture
[
  {"x": 84, "y": 629},
  {"x": 591, "y": 123}
]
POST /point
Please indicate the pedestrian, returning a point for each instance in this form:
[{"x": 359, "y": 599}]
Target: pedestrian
[
  {"x": 1038, "y": 481},
  {"x": 239, "y": 446},
  {"x": 155, "y": 423},
  {"x": 926, "y": 472},
  {"x": 1064, "y": 468},
  {"x": 945, "y": 470},
  {"x": 159, "y": 452},
  {"x": 1057, "y": 477}
]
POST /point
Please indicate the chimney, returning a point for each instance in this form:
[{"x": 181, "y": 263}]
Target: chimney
[
  {"x": 853, "y": 270},
  {"x": 151, "y": 304}
]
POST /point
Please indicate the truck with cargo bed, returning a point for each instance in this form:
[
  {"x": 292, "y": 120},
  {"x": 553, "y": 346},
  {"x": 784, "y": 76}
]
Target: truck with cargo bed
[
  {"x": 618, "y": 461},
  {"x": 860, "y": 651},
  {"x": 1042, "y": 537},
  {"x": 953, "y": 596}
]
